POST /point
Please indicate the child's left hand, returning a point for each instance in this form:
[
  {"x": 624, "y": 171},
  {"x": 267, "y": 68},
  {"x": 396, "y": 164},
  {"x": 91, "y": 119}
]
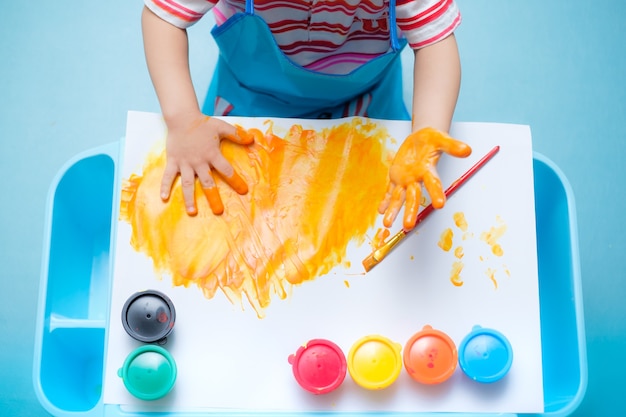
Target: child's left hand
[{"x": 414, "y": 164}]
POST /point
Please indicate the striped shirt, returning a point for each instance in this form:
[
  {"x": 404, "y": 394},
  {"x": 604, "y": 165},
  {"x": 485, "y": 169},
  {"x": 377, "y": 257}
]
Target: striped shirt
[{"x": 324, "y": 35}]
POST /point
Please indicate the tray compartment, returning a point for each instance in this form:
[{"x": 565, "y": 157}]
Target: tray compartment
[
  {"x": 80, "y": 240},
  {"x": 71, "y": 367},
  {"x": 75, "y": 285},
  {"x": 562, "y": 328}
]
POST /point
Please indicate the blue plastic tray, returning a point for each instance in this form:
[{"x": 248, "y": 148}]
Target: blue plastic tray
[{"x": 75, "y": 290}]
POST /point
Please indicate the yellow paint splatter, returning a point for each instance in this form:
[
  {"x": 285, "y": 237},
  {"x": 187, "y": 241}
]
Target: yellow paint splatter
[
  {"x": 347, "y": 284},
  {"x": 455, "y": 275},
  {"x": 445, "y": 241},
  {"x": 459, "y": 220},
  {"x": 491, "y": 273},
  {"x": 310, "y": 194},
  {"x": 497, "y": 250},
  {"x": 491, "y": 236}
]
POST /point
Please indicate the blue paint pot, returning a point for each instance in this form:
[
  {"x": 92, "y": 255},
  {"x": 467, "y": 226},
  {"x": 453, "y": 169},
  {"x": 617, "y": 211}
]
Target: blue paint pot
[{"x": 485, "y": 355}]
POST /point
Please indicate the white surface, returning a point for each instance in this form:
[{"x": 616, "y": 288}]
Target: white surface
[{"x": 229, "y": 359}]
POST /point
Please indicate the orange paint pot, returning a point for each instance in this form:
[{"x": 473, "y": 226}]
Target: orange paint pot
[
  {"x": 374, "y": 362},
  {"x": 319, "y": 366},
  {"x": 430, "y": 356}
]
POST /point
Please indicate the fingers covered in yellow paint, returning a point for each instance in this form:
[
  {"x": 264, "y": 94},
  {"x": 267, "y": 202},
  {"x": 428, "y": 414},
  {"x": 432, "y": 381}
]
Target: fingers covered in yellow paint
[
  {"x": 193, "y": 151},
  {"x": 415, "y": 165},
  {"x": 215, "y": 201}
]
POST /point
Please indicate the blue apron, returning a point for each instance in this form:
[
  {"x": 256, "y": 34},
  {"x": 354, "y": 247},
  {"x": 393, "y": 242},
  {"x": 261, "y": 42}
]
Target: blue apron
[{"x": 253, "y": 77}]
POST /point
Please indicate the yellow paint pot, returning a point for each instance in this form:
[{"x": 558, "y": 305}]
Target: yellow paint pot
[{"x": 375, "y": 362}]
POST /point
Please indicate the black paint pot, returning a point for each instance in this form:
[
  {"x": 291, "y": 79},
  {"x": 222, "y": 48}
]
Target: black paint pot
[{"x": 149, "y": 316}]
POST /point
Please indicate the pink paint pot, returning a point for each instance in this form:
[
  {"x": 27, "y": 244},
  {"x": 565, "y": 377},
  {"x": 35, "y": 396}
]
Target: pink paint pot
[{"x": 319, "y": 366}]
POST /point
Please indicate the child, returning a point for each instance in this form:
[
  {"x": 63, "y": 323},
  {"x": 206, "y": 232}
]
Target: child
[{"x": 307, "y": 59}]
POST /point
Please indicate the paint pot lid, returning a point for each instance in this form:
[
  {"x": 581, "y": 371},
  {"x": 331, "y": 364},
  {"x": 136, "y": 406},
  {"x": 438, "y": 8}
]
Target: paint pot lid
[
  {"x": 319, "y": 366},
  {"x": 374, "y": 362},
  {"x": 430, "y": 356},
  {"x": 485, "y": 355},
  {"x": 149, "y": 372},
  {"x": 148, "y": 316}
]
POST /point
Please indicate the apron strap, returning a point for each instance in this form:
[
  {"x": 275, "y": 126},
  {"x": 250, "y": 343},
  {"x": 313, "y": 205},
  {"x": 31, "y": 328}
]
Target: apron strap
[{"x": 393, "y": 28}]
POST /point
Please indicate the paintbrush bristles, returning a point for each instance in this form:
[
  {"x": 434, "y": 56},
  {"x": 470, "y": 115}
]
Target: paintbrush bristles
[
  {"x": 369, "y": 262},
  {"x": 380, "y": 253}
]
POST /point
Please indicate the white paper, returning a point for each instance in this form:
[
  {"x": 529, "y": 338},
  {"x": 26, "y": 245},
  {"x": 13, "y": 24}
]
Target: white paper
[{"x": 229, "y": 359}]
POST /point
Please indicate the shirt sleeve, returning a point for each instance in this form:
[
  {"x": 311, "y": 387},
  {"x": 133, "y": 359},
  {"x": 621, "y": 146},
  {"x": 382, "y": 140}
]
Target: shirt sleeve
[
  {"x": 424, "y": 22},
  {"x": 180, "y": 13}
]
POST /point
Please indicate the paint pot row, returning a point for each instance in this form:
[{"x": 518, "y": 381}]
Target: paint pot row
[
  {"x": 149, "y": 371},
  {"x": 375, "y": 362}
]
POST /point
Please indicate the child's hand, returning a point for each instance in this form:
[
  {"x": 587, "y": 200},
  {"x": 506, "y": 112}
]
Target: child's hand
[
  {"x": 193, "y": 149},
  {"x": 414, "y": 164}
]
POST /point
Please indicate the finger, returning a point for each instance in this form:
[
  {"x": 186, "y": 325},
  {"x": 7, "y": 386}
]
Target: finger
[
  {"x": 382, "y": 207},
  {"x": 433, "y": 186},
  {"x": 257, "y": 135},
  {"x": 169, "y": 175},
  {"x": 236, "y": 133},
  {"x": 397, "y": 199},
  {"x": 242, "y": 136},
  {"x": 212, "y": 195},
  {"x": 215, "y": 201},
  {"x": 454, "y": 147},
  {"x": 229, "y": 174},
  {"x": 203, "y": 171},
  {"x": 188, "y": 179},
  {"x": 237, "y": 183},
  {"x": 210, "y": 190},
  {"x": 411, "y": 205}
]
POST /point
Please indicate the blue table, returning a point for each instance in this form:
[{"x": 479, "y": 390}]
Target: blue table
[{"x": 70, "y": 71}]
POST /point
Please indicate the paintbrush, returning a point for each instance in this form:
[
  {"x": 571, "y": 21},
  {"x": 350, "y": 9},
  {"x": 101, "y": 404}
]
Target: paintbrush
[{"x": 379, "y": 254}]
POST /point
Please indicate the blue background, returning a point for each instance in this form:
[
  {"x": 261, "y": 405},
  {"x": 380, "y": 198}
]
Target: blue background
[{"x": 70, "y": 70}]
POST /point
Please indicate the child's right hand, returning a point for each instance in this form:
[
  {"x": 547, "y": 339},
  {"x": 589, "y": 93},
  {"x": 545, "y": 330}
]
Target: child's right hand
[
  {"x": 415, "y": 164},
  {"x": 193, "y": 149}
]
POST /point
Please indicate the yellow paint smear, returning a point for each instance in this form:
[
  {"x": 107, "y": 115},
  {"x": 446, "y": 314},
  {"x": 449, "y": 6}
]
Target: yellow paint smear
[
  {"x": 458, "y": 252},
  {"x": 459, "y": 220},
  {"x": 491, "y": 237},
  {"x": 445, "y": 240},
  {"x": 455, "y": 275},
  {"x": 491, "y": 273},
  {"x": 310, "y": 194}
]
